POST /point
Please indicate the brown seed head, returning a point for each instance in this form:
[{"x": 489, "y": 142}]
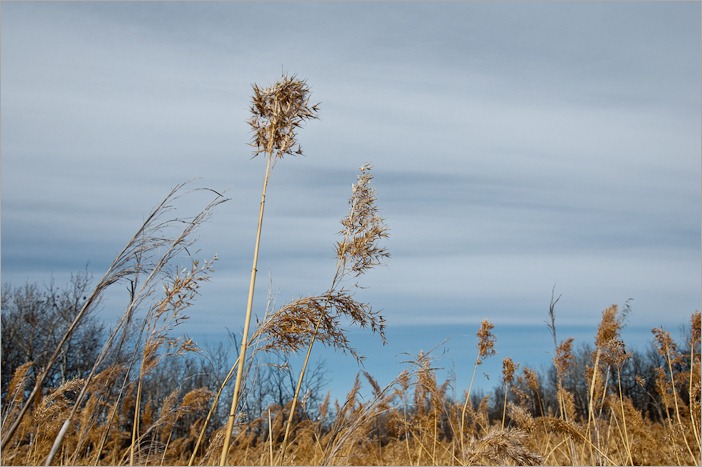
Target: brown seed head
[
  {"x": 486, "y": 341},
  {"x": 666, "y": 346},
  {"x": 359, "y": 249},
  {"x": 695, "y": 329},
  {"x": 532, "y": 379},
  {"x": 564, "y": 356},
  {"x": 508, "y": 369},
  {"x": 608, "y": 338},
  {"x": 293, "y": 326},
  {"x": 609, "y": 327},
  {"x": 277, "y": 111}
]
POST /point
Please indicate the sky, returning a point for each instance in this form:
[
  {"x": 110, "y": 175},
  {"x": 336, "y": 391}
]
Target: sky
[{"x": 516, "y": 147}]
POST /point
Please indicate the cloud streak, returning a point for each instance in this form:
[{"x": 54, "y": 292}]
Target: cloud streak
[{"x": 514, "y": 147}]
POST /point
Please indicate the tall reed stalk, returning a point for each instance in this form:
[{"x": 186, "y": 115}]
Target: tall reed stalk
[
  {"x": 486, "y": 348},
  {"x": 562, "y": 361},
  {"x": 277, "y": 111},
  {"x": 356, "y": 253},
  {"x": 508, "y": 369}
]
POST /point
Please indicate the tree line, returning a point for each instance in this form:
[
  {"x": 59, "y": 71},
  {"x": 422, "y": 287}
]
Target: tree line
[{"x": 34, "y": 317}]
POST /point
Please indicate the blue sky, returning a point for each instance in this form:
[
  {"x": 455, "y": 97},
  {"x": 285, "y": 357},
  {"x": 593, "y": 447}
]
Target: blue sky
[{"x": 515, "y": 146}]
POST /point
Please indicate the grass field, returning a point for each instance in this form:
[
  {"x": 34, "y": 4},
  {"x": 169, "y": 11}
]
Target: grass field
[{"x": 409, "y": 422}]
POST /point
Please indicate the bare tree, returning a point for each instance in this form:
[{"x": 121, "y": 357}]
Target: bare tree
[{"x": 34, "y": 319}]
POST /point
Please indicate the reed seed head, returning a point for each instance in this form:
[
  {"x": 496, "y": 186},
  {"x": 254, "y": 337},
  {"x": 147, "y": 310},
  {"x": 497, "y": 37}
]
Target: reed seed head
[
  {"x": 503, "y": 447},
  {"x": 359, "y": 249},
  {"x": 486, "y": 341},
  {"x": 293, "y": 326},
  {"x": 666, "y": 346},
  {"x": 277, "y": 111},
  {"x": 608, "y": 338},
  {"x": 521, "y": 417},
  {"x": 508, "y": 369},
  {"x": 532, "y": 379},
  {"x": 695, "y": 329},
  {"x": 564, "y": 357}
]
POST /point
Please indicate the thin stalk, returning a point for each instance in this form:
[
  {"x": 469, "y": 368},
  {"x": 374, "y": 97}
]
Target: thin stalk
[
  {"x": 247, "y": 322},
  {"x": 627, "y": 444},
  {"x": 407, "y": 430},
  {"x": 590, "y": 408},
  {"x": 103, "y": 438},
  {"x": 564, "y": 416},
  {"x": 436, "y": 436},
  {"x": 695, "y": 429},
  {"x": 677, "y": 408},
  {"x": 212, "y": 409},
  {"x": 137, "y": 403},
  {"x": 297, "y": 391},
  {"x": 135, "y": 426},
  {"x": 559, "y": 377},
  {"x": 270, "y": 436},
  {"x": 340, "y": 266},
  {"x": 604, "y": 391},
  {"x": 165, "y": 448},
  {"x": 465, "y": 407},
  {"x": 504, "y": 408}
]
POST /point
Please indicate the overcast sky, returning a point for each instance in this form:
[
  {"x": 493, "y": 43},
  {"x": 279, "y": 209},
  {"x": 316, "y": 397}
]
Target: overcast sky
[{"x": 515, "y": 146}]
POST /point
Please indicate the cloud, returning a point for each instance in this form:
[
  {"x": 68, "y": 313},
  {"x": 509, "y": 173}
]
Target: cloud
[{"x": 514, "y": 147}]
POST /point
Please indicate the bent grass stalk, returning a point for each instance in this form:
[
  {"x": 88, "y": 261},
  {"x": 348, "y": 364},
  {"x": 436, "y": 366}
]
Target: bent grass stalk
[
  {"x": 120, "y": 267},
  {"x": 138, "y": 248},
  {"x": 293, "y": 406}
]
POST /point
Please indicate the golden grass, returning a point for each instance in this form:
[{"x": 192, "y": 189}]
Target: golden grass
[{"x": 411, "y": 421}]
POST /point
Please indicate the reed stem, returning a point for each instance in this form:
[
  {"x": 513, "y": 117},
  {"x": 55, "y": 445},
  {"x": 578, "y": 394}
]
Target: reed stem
[{"x": 247, "y": 321}]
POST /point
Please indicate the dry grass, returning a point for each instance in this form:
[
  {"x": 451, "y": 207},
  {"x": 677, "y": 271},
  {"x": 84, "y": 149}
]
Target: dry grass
[{"x": 411, "y": 421}]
